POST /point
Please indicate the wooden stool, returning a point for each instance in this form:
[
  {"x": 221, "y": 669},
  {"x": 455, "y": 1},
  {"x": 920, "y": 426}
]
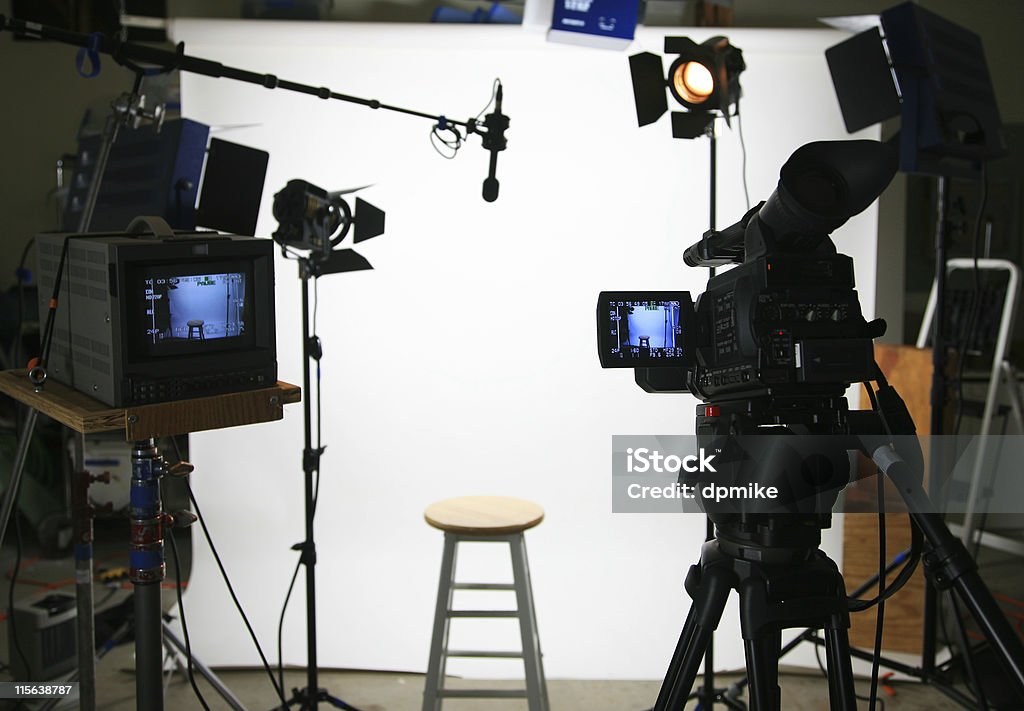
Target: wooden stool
[
  {"x": 494, "y": 519},
  {"x": 197, "y": 326}
]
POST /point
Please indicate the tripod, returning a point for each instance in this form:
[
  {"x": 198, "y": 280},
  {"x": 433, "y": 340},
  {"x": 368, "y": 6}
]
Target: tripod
[
  {"x": 808, "y": 592},
  {"x": 772, "y": 560}
]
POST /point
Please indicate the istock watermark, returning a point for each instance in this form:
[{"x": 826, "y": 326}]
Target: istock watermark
[
  {"x": 642, "y": 460},
  {"x": 709, "y": 492},
  {"x": 766, "y": 473}
]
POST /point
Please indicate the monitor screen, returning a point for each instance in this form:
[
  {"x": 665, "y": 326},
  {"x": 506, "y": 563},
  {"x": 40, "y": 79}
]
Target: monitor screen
[{"x": 185, "y": 308}]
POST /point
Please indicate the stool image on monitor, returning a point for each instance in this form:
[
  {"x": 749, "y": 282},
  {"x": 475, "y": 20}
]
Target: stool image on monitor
[
  {"x": 196, "y": 326},
  {"x": 492, "y": 519}
]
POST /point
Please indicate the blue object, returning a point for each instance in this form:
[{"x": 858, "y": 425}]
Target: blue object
[
  {"x": 496, "y": 14},
  {"x": 447, "y": 14},
  {"x": 92, "y": 54},
  {"x": 501, "y": 15},
  {"x": 600, "y": 18},
  {"x": 149, "y": 173}
]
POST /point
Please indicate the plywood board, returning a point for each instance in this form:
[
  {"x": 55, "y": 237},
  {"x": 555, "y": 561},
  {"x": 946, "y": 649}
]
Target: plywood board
[{"x": 87, "y": 415}]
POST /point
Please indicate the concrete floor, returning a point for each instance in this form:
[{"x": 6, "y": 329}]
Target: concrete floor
[
  {"x": 386, "y": 691},
  {"x": 380, "y": 691}
]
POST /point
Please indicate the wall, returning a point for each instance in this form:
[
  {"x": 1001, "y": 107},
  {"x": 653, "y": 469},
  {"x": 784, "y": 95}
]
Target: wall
[
  {"x": 44, "y": 100},
  {"x": 588, "y": 202}
]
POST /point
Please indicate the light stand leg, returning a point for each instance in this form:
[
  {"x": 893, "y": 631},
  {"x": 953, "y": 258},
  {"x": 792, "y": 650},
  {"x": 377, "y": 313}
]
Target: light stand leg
[
  {"x": 11, "y": 495},
  {"x": 81, "y": 517},
  {"x": 225, "y": 693},
  {"x": 147, "y": 571}
]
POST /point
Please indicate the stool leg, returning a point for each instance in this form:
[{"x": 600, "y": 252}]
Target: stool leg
[
  {"x": 536, "y": 685},
  {"x": 439, "y": 642}
]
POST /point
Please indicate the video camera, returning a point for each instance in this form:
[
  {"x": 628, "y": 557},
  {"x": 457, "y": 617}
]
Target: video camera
[{"x": 786, "y": 320}]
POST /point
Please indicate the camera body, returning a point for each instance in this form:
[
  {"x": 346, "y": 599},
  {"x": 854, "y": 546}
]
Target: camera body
[
  {"x": 780, "y": 325},
  {"x": 784, "y": 325},
  {"x": 785, "y": 320}
]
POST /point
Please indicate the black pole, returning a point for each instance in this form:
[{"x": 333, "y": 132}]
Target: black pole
[
  {"x": 938, "y": 404},
  {"x": 146, "y": 570},
  {"x": 310, "y": 464},
  {"x": 713, "y": 181},
  {"x": 938, "y": 392},
  {"x": 144, "y": 54},
  {"x": 708, "y": 693},
  {"x": 312, "y": 695}
]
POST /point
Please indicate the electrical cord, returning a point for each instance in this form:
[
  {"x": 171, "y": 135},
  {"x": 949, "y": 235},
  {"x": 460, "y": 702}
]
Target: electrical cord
[
  {"x": 743, "y": 150},
  {"x": 490, "y": 103},
  {"x": 20, "y": 275},
  {"x": 452, "y": 144},
  {"x": 454, "y": 139},
  {"x": 227, "y": 582},
  {"x": 234, "y": 597},
  {"x": 916, "y": 536},
  {"x": 880, "y": 615},
  {"x": 824, "y": 672},
  {"x": 14, "y": 582},
  {"x": 280, "y": 625},
  {"x": 972, "y": 322},
  {"x": 319, "y": 413},
  {"x": 184, "y": 624}
]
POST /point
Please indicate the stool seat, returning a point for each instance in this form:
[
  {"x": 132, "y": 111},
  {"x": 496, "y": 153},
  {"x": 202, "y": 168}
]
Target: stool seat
[{"x": 484, "y": 515}]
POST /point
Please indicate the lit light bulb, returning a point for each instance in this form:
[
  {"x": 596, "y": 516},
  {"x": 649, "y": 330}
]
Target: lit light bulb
[{"x": 693, "y": 82}]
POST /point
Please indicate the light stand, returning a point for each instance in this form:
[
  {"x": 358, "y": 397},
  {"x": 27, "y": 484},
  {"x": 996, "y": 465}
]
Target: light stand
[
  {"x": 704, "y": 79},
  {"x": 922, "y": 52},
  {"x": 309, "y": 697},
  {"x": 315, "y": 221}
]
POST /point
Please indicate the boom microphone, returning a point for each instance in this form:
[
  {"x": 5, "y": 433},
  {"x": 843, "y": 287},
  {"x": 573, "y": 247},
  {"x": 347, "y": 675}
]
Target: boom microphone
[{"x": 494, "y": 141}]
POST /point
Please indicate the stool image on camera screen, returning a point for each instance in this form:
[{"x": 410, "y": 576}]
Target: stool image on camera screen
[
  {"x": 648, "y": 326},
  {"x": 196, "y": 307}
]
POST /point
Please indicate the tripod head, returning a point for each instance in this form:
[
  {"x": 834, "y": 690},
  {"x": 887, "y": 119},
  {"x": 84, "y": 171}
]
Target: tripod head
[{"x": 781, "y": 463}]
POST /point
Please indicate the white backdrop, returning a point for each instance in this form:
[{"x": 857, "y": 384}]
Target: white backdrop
[{"x": 465, "y": 362}]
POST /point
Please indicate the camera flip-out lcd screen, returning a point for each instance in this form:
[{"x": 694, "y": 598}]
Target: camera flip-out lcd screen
[{"x": 638, "y": 329}]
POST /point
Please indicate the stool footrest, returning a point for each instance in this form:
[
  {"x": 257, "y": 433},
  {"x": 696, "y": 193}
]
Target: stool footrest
[
  {"x": 483, "y": 613},
  {"x": 485, "y": 654},
  {"x": 484, "y": 586},
  {"x": 482, "y": 693}
]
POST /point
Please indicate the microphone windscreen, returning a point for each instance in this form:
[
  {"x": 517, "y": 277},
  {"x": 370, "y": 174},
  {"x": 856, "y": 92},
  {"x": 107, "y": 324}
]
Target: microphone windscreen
[{"x": 490, "y": 189}]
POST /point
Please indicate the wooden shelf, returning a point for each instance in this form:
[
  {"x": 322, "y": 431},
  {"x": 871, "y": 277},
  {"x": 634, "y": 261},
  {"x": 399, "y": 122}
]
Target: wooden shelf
[{"x": 84, "y": 414}]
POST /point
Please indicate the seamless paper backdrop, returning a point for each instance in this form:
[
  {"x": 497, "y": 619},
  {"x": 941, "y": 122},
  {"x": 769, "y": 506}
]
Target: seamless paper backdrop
[{"x": 465, "y": 362}]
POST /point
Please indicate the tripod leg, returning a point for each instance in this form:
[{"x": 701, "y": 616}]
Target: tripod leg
[
  {"x": 709, "y": 596},
  {"x": 950, "y": 565},
  {"x": 841, "y": 693},
  {"x": 762, "y": 653}
]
